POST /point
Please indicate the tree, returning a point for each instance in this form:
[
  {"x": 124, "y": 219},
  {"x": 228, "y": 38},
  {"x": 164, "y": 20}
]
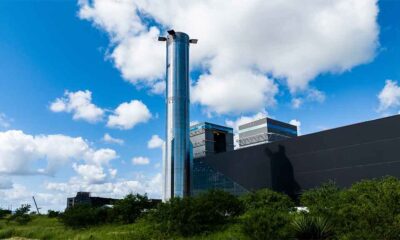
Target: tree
[
  {"x": 4, "y": 213},
  {"x": 81, "y": 216},
  {"x": 322, "y": 201},
  {"x": 52, "y": 213},
  {"x": 267, "y": 223},
  {"x": 194, "y": 215},
  {"x": 267, "y": 215},
  {"x": 370, "y": 209},
  {"x": 21, "y": 215},
  {"x": 130, "y": 208},
  {"x": 267, "y": 199}
]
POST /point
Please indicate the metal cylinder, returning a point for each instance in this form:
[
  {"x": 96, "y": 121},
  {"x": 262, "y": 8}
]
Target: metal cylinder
[{"x": 177, "y": 152}]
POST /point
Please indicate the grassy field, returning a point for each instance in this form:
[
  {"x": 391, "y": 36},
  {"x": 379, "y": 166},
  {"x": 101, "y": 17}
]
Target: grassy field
[{"x": 42, "y": 227}]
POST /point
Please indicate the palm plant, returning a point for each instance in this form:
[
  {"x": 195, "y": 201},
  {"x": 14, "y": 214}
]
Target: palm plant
[{"x": 307, "y": 227}]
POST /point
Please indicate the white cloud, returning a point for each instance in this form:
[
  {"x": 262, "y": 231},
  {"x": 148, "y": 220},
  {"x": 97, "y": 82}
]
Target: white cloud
[
  {"x": 20, "y": 151},
  {"x": 108, "y": 139},
  {"x": 231, "y": 94},
  {"x": 133, "y": 66},
  {"x": 90, "y": 173},
  {"x": 20, "y": 194},
  {"x": 100, "y": 157},
  {"x": 121, "y": 21},
  {"x": 309, "y": 95},
  {"x": 140, "y": 161},
  {"x": 155, "y": 142},
  {"x": 5, "y": 122},
  {"x": 151, "y": 185},
  {"x": 297, "y": 102},
  {"x": 113, "y": 172},
  {"x": 158, "y": 87},
  {"x": 80, "y": 105},
  {"x": 118, "y": 18},
  {"x": 296, "y": 123},
  {"x": 389, "y": 97},
  {"x": 297, "y": 42},
  {"x": 127, "y": 115}
]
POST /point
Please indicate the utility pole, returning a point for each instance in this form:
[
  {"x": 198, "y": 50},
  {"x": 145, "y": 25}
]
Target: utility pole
[{"x": 37, "y": 209}]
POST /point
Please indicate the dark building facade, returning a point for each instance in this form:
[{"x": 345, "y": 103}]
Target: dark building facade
[
  {"x": 265, "y": 130},
  {"x": 87, "y": 199},
  {"x": 345, "y": 155},
  {"x": 209, "y": 139}
]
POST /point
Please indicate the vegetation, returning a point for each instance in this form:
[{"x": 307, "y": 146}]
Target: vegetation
[
  {"x": 194, "y": 215},
  {"x": 306, "y": 226},
  {"x": 4, "y": 213},
  {"x": 53, "y": 214},
  {"x": 21, "y": 215},
  {"x": 367, "y": 210},
  {"x": 130, "y": 208},
  {"x": 83, "y": 216}
]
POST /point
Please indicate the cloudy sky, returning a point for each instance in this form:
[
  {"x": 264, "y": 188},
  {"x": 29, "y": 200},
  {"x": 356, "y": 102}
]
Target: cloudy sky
[{"x": 82, "y": 82}]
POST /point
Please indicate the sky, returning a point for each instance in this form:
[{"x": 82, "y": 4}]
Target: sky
[{"x": 82, "y": 82}]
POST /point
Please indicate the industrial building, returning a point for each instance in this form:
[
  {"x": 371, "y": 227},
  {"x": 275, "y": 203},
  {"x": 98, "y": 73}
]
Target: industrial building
[
  {"x": 209, "y": 139},
  {"x": 345, "y": 155},
  {"x": 271, "y": 153},
  {"x": 86, "y": 199},
  {"x": 265, "y": 130}
]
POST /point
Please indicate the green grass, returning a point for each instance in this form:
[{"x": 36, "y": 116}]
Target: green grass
[{"x": 42, "y": 227}]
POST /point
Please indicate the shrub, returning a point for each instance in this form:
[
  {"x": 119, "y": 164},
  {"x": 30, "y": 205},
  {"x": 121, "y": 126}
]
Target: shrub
[
  {"x": 130, "y": 208},
  {"x": 82, "y": 216},
  {"x": 193, "y": 215},
  {"x": 53, "y": 214},
  {"x": 21, "y": 215},
  {"x": 266, "y": 223},
  {"x": 322, "y": 201},
  {"x": 306, "y": 226},
  {"x": 4, "y": 213},
  {"x": 267, "y": 199},
  {"x": 370, "y": 209},
  {"x": 220, "y": 204}
]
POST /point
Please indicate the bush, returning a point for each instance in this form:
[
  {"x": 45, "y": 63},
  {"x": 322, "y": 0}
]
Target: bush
[
  {"x": 220, "y": 204},
  {"x": 306, "y": 226},
  {"x": 21, "y": 215},
  {"x": 4, "y": 213},
  {"x": 193, "y": 215},
  {"x": 322, "y": 201},
  {"x": 53, "y": 214},
  {"x": 266, "y": 223},
  {"x": 82, "y": 216},
  {"x": 130, "y": 208},
  {"x": 370, "y": 209},
  {"x": 267, "y": 215},
  {"x": 267, "y": 199}
]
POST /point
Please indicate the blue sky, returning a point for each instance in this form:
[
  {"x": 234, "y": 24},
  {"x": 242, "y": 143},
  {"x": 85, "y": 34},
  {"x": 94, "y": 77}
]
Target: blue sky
[{"x": 49, "y": 47}]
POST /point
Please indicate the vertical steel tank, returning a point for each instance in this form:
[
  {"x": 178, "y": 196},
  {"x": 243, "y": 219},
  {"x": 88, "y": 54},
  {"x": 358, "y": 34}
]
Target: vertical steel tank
[{"x": 178, "y": 159}]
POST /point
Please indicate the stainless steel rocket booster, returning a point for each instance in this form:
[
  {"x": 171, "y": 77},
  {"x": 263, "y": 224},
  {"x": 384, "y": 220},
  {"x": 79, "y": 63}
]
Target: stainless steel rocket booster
[{"x": 178, "y": 159}]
